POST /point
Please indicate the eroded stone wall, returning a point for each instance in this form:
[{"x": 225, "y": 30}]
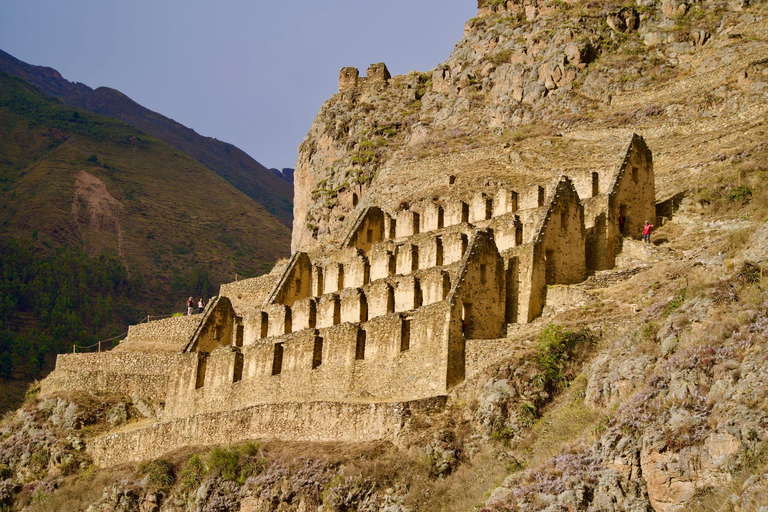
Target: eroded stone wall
[{"x": 131, "y": 373}]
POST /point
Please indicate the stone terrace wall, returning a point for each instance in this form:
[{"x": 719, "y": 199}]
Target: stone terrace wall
[
  {"x": 129, "y": 373},
  {"x": 168, "y": 334},
  {"x": 311, "y": 421}
]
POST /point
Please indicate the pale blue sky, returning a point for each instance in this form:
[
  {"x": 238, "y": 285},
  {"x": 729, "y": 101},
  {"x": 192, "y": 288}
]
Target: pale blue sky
[{"x": 246, "y": 72}]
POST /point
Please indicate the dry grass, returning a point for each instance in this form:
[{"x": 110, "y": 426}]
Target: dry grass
[
  {"x": 566, "y": 422},
  {"x": 463, "y": 490},
  {"x": 74, "y": 493}
]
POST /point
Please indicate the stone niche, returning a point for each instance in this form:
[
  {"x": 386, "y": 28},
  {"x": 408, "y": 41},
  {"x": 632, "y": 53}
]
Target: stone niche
[{"x": 369, "y": 229}]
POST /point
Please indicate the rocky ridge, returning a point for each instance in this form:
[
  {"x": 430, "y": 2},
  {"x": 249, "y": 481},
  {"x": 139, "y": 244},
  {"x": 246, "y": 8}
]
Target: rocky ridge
[{"x": 587, "y": 70}]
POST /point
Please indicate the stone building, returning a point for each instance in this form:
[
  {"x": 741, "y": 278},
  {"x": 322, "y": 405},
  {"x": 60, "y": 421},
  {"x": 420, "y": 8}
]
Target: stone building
[{"x": 342, "y": 344}]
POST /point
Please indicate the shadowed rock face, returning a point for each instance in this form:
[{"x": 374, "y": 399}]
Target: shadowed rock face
[{"x": 226, "y": 160}]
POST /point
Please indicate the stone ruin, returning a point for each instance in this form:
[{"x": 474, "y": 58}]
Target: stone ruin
[
  {"x": 345, "y": 345},
  {"x": 350, "y": 79}
]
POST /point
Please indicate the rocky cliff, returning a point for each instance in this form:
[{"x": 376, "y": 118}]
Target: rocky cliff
[{"x": 534, "y": 68}]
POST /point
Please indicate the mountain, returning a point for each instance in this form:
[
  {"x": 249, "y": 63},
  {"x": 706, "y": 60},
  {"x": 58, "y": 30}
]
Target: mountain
[
  {"x": 233, "y": 164},
  {"x": 641, "y": 388},
  {"x": 102, "y": 198}
]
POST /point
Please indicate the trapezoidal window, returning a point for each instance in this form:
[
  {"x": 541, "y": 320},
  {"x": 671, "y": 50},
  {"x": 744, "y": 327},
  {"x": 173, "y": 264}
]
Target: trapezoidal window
[
  {"x": 202, "y": 364},
  {"x": 564, "y": 220},
  {"x": 466, "y": 318},
  {"x": 635, "y": 174},
  {"x": 297, "y": 287},
  {"x": 595, "y": 184},
  {"x": 369, "y": 236},
  {"x": 237, "y": 374},
  {"x": 405, "y": 335},
  {"x": 277, "y": 359},
  {"x": 264, "y": 324},
  {"x": 360, "y": 345},
  {"x": 483, "y": 274},
  {"x": 240, "y": 335},
  {"x": 550, "y": 267},
  {"x": 317, "y": 353}
]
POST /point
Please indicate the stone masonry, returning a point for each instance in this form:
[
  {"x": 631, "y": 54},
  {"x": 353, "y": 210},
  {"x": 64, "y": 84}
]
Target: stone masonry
[{"x": 390, "y": 316}]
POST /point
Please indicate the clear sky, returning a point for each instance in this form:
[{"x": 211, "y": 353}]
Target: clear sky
[{"x": 252, "y": 73}]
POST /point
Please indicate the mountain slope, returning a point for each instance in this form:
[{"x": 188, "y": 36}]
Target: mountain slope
[
  {"x": 87, "y": 179},
  {"x": 234, "y": 165}
]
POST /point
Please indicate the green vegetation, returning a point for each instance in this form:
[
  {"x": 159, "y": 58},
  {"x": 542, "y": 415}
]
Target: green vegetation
[
  {"x": 500, "y": 57},
  {"x": 236, "y": 464},
  {"x": 50, "y": 301},
  {"x": 161, "y": 472},
  {"x": 555, "y": 347},
  {"x": 675, "y": 303}
]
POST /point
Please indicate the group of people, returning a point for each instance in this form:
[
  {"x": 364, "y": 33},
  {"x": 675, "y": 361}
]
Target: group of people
[{"x": 191, "y": 305}]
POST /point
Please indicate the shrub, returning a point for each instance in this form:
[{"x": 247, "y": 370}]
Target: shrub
[
  {"x": 160, "y": 472},
  {"x": 741, "y": 193},
  {"x": 555, "y": 346},
  {"x": 749, "y": 273},
  {"x": 192, "y": 475},
  {"x": 235, "y": 464}
]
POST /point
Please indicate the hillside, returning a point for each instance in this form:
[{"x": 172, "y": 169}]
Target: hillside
[
  {"x": 226, "y": 160},
  {"x": 102, "y": 191}
]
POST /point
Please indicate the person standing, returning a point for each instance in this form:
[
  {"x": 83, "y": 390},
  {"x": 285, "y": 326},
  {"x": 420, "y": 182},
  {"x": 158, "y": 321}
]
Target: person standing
[
  {"x": 200, "y": 305},
  {"x": 190, "y": 304},
  {"x": 647, "y": 232}
]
